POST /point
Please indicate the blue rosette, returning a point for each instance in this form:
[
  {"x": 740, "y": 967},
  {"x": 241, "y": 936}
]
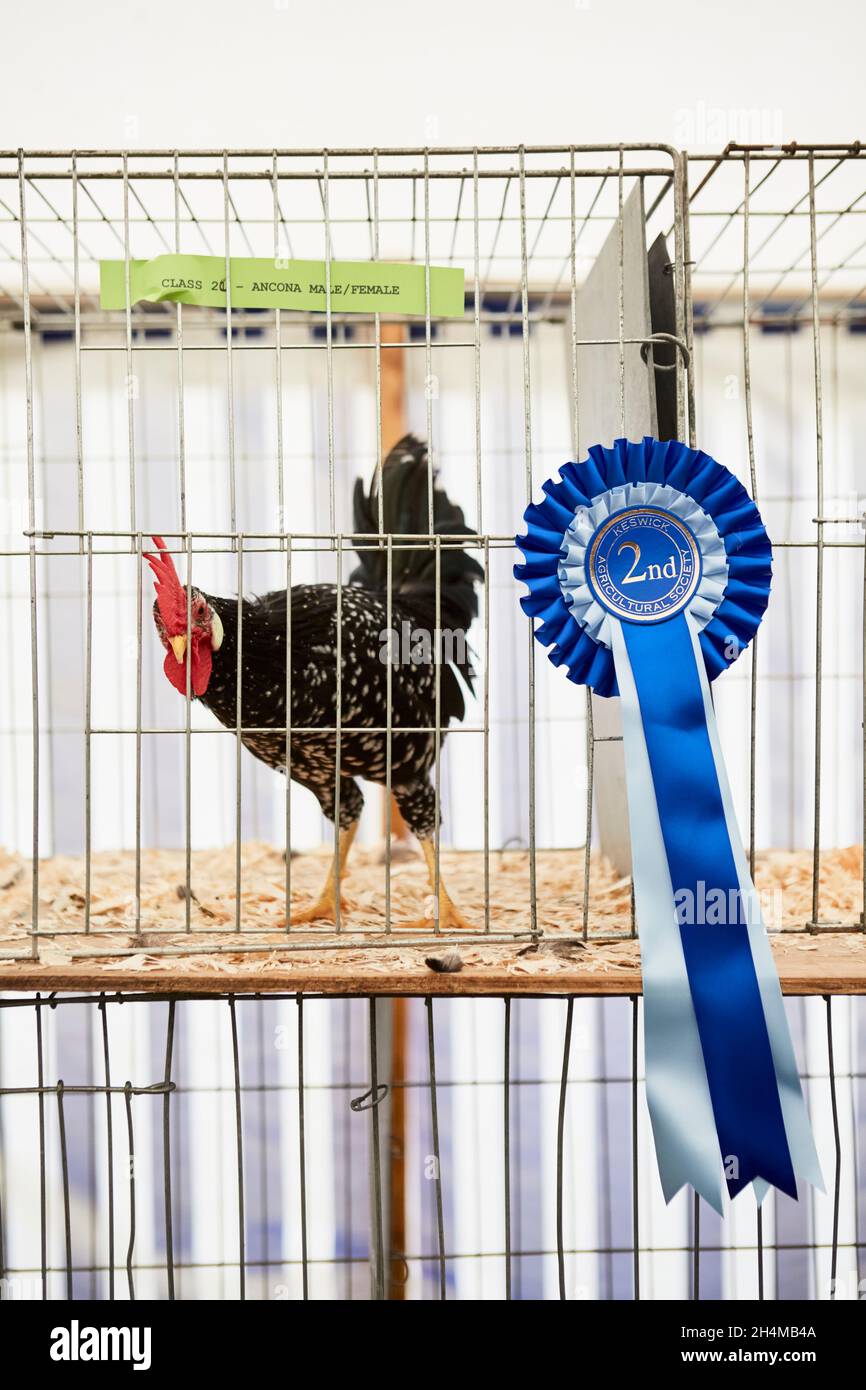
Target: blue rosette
[
  {"x": 648, "y": 570},
  {"x": 733, "y": 538}
]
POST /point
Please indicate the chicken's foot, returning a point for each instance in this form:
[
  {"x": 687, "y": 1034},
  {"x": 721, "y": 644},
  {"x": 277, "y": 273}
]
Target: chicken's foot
[
  {"x": 450, "y": 916},
  {"x": 324, "y": 909}
]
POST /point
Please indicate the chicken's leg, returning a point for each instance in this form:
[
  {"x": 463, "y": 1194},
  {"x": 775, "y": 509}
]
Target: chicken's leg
[
  {"x": 450, "y": 916},
  {"x": 325, "y": 907}
]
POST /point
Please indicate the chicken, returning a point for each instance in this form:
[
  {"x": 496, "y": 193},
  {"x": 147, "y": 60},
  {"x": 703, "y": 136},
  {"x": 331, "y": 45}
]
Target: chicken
[{"x": 204, "y": 651}]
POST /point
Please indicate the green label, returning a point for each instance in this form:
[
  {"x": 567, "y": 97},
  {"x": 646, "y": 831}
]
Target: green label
[{"x": 365, "y": 287}]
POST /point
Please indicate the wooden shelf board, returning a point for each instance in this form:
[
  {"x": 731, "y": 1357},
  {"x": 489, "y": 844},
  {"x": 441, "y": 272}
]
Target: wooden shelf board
[{"x": 832, "y": 963}]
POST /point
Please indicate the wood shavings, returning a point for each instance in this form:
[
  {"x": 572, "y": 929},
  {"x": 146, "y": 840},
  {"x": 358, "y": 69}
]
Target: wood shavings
[
  {"x": 11, "y": 870},
  {"x": 160, "y": 954},
  {"x": 53, "y": 952},
  {"x": 142, "y": 961}
]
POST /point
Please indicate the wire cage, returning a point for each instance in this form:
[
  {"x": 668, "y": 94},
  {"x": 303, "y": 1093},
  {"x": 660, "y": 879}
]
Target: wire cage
[{"x": 190, "y": 1104}]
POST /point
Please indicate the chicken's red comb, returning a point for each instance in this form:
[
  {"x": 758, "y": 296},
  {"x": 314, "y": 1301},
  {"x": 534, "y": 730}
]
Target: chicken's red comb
[{"x": 170, "y": 593}]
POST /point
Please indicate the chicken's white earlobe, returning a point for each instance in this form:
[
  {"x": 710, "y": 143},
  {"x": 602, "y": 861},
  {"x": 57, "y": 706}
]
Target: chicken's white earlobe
[{"x": 216, "y": 631}]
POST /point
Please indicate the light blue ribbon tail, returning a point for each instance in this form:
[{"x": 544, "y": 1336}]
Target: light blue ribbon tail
[
  {"x": 678, "y": 1096},
  {"x": 801, "y": 1143}
]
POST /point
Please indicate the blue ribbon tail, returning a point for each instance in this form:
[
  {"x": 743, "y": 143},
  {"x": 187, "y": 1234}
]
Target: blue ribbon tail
[
  {"x": 801, "y": 1142},
  {"x": 714, "y": 935}
]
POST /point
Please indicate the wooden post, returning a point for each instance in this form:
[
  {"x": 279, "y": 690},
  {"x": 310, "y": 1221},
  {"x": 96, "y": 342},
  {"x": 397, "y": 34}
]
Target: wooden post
[{"x": 394, "y": 426}]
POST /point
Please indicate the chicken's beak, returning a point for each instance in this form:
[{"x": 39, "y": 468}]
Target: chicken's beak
[
  {"x": 178, "y": 646},
  {"x": 216, "y": 631}
]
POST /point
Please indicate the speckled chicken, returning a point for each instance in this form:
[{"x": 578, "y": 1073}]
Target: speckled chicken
[{"x": 204, "y": 652}]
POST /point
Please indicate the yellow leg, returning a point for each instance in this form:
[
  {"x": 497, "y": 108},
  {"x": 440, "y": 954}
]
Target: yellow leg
[
  {"x": 450, "y": 916},
  {"x": 325, "y": 907}
]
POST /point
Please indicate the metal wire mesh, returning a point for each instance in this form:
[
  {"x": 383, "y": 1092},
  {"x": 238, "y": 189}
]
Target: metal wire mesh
[
  {"x": 761, "y": 241},
  {"x": 120, "y": 1184},
  {"x": 535, "y": 226}
]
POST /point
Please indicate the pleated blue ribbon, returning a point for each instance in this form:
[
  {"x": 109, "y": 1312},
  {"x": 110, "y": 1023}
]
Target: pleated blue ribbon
[{"x": 649, "y": 568}]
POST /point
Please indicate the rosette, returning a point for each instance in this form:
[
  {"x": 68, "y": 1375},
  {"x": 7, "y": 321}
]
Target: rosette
[{"x": 649, "y": 569}]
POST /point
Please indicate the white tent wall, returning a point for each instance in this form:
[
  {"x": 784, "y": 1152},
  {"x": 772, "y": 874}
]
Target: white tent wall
[{"x": 784, "y": 435}]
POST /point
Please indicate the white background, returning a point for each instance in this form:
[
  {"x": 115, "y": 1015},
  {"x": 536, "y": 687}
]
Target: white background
[{"x": 276, "y": 72}]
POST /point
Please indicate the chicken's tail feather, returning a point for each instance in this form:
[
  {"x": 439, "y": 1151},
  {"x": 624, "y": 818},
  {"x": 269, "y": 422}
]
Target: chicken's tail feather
[{"x": 405, "y": 511}]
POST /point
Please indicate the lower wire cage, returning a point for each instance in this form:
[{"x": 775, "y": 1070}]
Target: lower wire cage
[{"x": 159, "y": 1146}]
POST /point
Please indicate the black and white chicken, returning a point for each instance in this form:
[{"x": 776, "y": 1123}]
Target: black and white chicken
[{"x": 368, "y": 645}]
